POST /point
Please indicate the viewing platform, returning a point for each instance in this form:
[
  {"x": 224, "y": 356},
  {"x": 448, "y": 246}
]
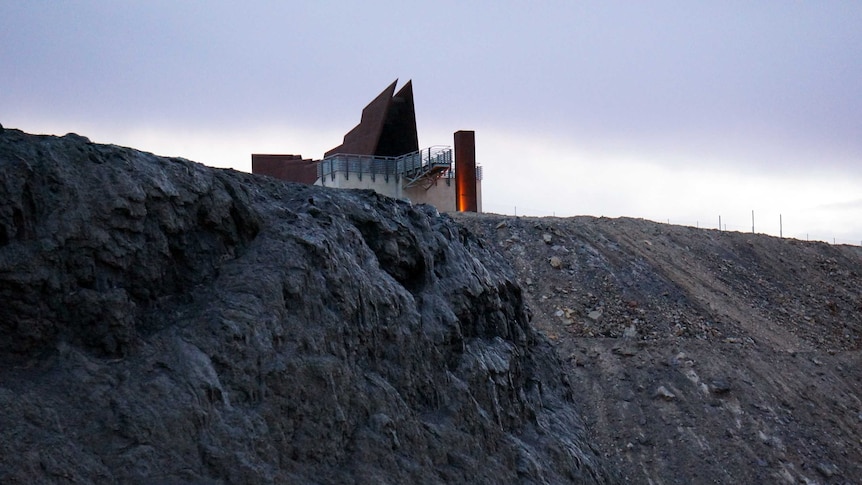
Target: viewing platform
[{"x": 420, "y": 168}]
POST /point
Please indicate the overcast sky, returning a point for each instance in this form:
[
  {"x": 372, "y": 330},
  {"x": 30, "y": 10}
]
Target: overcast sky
[{"x": 672, "y": 111}]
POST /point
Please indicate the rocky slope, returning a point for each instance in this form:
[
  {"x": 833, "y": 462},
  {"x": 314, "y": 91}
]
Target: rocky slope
[
  {"x": 699, "y": 356},
  {"x": 164, "y": 322}
]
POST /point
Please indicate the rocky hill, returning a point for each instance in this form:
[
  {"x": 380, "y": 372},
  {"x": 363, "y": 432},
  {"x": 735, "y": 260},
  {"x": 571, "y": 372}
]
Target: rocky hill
[
  {"x": 699, "y": 356},
  {"x": 165, "y": 322}
]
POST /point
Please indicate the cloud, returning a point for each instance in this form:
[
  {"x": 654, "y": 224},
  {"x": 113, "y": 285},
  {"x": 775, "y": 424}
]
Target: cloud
[
  {"x": 850, "y": 205},
  {"x": 208, "y": 145},
  {"x": 542, "y": 176},
  {"x": 656, "y": 110}
]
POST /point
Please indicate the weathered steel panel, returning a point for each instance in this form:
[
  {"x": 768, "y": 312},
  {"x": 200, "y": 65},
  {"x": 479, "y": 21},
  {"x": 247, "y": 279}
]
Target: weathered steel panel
[{"x": 465, "y": 171}]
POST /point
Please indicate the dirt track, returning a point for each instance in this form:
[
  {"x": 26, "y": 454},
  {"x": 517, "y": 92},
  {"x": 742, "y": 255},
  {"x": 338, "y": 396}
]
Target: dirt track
[{"x": 700, "y": 356}]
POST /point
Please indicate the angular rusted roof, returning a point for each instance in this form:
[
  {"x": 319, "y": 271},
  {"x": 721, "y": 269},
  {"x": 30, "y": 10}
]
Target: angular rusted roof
[{"x": 387, "y": 126}]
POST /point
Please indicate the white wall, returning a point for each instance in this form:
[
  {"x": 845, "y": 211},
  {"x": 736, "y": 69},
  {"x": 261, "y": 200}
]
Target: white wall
[
  {"x": 441, "y": 195},
  {"x": 378, "y": 183}
]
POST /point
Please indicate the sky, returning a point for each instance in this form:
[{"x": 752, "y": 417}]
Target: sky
[{"x": 680, "y": 112}]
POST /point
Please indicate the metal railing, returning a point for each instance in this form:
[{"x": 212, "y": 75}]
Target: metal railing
[
  {"x": 357, "y": 164},
  {"x": 449, "y": 176},
  {"x": 411, "y": 164},
  {"x": 479, "y": 173}
]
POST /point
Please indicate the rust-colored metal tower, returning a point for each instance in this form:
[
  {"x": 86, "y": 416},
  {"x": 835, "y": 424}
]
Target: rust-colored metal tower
[{"x": 465, "y": 172}]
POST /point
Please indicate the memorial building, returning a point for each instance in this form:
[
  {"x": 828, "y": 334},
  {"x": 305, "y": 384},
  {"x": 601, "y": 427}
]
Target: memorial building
[{"x": 382, "y": 153}]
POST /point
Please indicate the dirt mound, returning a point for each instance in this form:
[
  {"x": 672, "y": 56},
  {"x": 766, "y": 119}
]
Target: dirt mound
[{"x": 699, "y": 356}]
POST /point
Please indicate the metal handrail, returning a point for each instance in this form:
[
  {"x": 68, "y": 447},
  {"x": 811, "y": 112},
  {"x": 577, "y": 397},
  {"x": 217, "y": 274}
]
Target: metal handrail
[
  {"x": 433, "y": 157},
  {"x": 479, "y": 173}
]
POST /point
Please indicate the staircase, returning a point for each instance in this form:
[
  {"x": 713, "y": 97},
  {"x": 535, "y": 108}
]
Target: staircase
[{"x": 424, "y": 167}]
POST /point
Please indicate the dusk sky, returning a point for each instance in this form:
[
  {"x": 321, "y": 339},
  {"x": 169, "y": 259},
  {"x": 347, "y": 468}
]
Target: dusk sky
[{"x": 672, "y": 111}]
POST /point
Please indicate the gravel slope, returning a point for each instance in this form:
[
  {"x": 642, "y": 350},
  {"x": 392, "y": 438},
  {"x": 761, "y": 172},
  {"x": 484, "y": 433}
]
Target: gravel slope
[{"x": 699, "y": 356}]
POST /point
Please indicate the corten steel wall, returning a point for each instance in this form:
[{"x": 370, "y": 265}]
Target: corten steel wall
[
  {"x": 387, "y": 127},
  {"x": 363, "y": 138},
  {"x": 399, "y": 134},
  {"x": 285, "y": 167},
  {"x": 465, "y": 171}
]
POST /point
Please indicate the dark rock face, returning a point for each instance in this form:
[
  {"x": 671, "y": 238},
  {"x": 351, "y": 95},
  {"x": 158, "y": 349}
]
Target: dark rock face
[
  {"x": 93, "y": 236},
  {"x": 167, "y": 322}
]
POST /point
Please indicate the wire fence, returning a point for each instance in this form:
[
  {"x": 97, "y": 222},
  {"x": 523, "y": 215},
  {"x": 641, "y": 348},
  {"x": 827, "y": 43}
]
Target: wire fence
[
  {"x": 779, "y": 230},
  {"x": 769, "y": 227}
]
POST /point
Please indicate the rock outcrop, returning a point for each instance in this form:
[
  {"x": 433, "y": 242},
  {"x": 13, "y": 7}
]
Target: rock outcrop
[{"x": 164, "y": 322}]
